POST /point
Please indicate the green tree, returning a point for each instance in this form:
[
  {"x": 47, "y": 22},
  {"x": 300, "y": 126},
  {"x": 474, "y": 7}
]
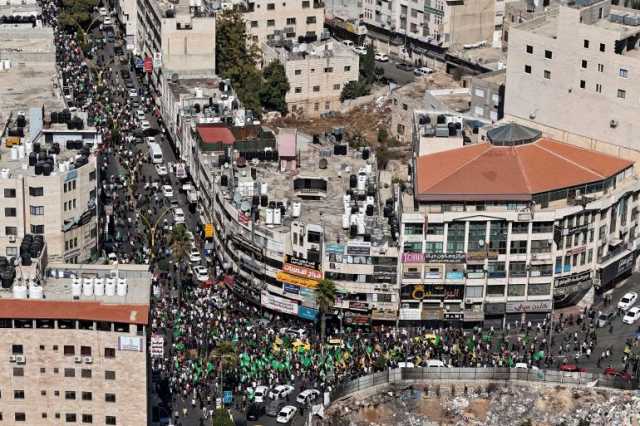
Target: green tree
[
  {"x": 221, "y": 417},
  {"x": 180, "y": 246},
  {"x": 354, "y": 89},
  {"x": 368, "y": 65},
  {"x": 274, "y": 88},
  {"x": 326, "y": 299}
]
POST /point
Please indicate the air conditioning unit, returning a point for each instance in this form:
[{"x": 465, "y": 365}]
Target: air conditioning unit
[
  {"x": 87, "y": 359},
  {"x": 77, "y": 359},
  {"x": 613, "y": 124},
  {"x": 468, "y": 301},
  {"x": 21, "y": 359},
  {"x": 12, "y": 358},
  {"x": 12, "y": 238}
]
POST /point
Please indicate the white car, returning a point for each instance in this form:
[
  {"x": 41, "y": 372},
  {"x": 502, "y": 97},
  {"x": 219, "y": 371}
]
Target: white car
[
  {"x": 628, "y": 300},
  {"x": 107, "y": 21},
  {"x": 194, "y": 256},
  {"x": 360, "y": 50},
  {"x": 422, "y": 71},
  {"x": 381, "y": 57},
  {"x": 103, "y": 11},
  {"x": 178, "y": 215},
  {"x": 140, "y": 114},
  {"x": 161, "y": 169},
  {"x": 201, "y": 273},
  {"x": 631, "y": 315},
  {"x": 145, "y": 125},
  {"x": 260, "y": 393},
  {"x": 133, "y": 93},
  {"x": 286, "y": 414},
  {"x": 167, "y": 191},
  {"x": 280, "y": 391},
  {"x": 308, "y": 396}
]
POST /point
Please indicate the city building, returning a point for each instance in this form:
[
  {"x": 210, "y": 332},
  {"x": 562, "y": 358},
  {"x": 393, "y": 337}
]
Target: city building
[
  {"x": 290, "y": 212},
  {"x": 317, "y": 73},
  {"x": 297, "y": 20},
  {"x": 179, "y": 36},
  {"x": 127, "y": 14},
  {"x": 74, "y": 344},
  {"x": 48, "y": 182},
  {"x": 487, "y": 95},
  {"x": 519, "y": 11},
  {"x": 499, "y": 231},
  {"x": 448, "y": 24},
  {"x": 570, "y": 73}
]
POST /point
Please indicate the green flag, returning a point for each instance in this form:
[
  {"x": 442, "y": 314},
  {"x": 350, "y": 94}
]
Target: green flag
[{"x": 537, "y": 356}]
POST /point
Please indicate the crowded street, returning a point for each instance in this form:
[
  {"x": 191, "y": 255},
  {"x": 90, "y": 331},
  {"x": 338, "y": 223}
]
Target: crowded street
[{"x": 217, "y": 349}]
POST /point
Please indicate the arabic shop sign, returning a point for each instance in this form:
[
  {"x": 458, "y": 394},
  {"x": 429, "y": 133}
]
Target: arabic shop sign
[{"x": 537, "y": 306}]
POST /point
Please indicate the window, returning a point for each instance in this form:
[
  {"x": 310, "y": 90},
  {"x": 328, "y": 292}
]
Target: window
[
  {"x": 109, "y": 352},
  {"x": 110, "y": 397},
  {"x": 37, "y": 229},
  {"x": 18, "y": 372},
  {"x": 583, "y": 84},
  {"x": 547, "y": 74},
  {"x": 400, "y": 129},
  {"x": 271, "y": 23},
  {"x": 328, "y": 69},
  {"x": 11, "y": 251},
  {"x": 305, "y": 4},
  {"x": 316, "y": 106},
  {"x": 17, "y": 349},
  {"x": 37, "y": 210},
  {"x": 87, "y": 396},
  {"x": 69, "y": 350},
  {"x": 44, "y": 415},
  {"x": 10, "y": 212},
  {"x": 69, "y": 372},
  {"x": 92, "y": 175},
  {"x": 85, "y": 373},
  {"x": 316, "y": 88},
  {"x": 254, "y": 24},
  {"x": 43, "y": 370},
  {"x": 271, "y": 6},
  {"x": 311, "y": 19},
  {"x": 87, "y": 418},
  {"x": 71, "y": 395},
  {"x": 9, "y": 193},
  {"x": 109, "y": 375},
  {"x": 10, "y": 230},
  {"x": 584, "y": 63},
  {"x": 327, "y": 106},
  {"x": 519, "y": 247},
  {"x": 586, "y": 44},
  {"x": 85, "y": 350},
  {"x": 297, "y": 72},
  {"x": 18, "y": 394},
  {"x": 110, "y": 420},
  {"x": 529, "y": 49},
  {"x": 602, "y": 47},
  {"x": 347, "y": 68},
  {"x": 600, "y": 68},
  {"x": 336, "y": 87},
  {"x": 36, "y": 191},
  {"x": 291, "y": 21},
  {"x": 548, "y": 54},
  {"x": 527, "y": 69},
  {"x": 598, "y": 88},
  {"x": 70, "y": 417},
  {"x": 622, "y": 94},
  {"x": 623, "y": 73},
  {"x": 20, "y": 417}
]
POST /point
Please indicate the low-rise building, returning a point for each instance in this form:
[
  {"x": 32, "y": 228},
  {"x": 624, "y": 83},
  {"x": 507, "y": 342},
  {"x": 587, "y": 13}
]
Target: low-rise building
[
  {"x": 500, "y": 231},
  {"x": 74, "y": 345},
  {"x": 317, "y": 73},
  {"x": 48, "y": 184},
  {"x": 487, "y": 95},
  {"x": 297, "y": 20}
]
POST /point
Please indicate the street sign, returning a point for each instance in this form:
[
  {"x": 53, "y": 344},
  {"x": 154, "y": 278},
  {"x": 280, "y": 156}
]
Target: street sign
[{"x": 227, "y": 397}]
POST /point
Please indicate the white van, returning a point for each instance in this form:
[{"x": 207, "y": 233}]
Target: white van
[{"x": 155, "y": 153}]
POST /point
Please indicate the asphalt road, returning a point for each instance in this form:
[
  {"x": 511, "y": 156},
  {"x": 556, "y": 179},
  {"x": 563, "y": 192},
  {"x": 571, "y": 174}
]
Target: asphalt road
[{"x": 391, "y": 71}]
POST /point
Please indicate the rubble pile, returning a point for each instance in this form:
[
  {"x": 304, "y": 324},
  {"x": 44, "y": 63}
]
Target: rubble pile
[{"x": 492, "y": 404}]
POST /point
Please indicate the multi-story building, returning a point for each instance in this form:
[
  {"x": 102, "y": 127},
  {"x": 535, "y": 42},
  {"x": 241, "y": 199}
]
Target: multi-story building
[
  {"x": 317, "y": 73},
  {"x": 179, "y": 36},
  {"x": 498, "y": 231},
  {"x": 75, "y": 350},
  {"x": 571, "y": 74},
  {"x": 518, "y": 11},
  {"x": 289, "y": 212},
  {"x": 127, "y": 14},
  {"x": 48, "y": 181},
  {"x": 297, "y": 20},
  {"x": 487, "y": 95},
  {"x": 449, "y": 24}
]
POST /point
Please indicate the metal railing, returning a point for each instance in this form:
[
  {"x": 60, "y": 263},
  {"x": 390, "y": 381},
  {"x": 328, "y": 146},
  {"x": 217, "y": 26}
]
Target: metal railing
[{"x": 399, "y": 375}]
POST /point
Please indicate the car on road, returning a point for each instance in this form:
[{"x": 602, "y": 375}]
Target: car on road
[
  {"x": 140, "y": 115},
  {"x": 604, "y": 318},
  {"x": 624, "y": 375},
  {"x": 107, "y": 21},
  {"x": 572, "y": 368},
  {"x": 194, "y": 256},
  {"x": 167, "y": 191},
  {"x": 274, "y": 407},
  {"x": 631, "y": 315},
  {"x": 129, "y": 84},
  {"x": 178, "y": 215},
  {"x": 161, "y": 169},
  {"x": 260, "y": 393},
  {"x": 628, "y": 300},
  {"x": 308, "y": 396},
  {"x": 280, "y": 391},
  {"x": 404, "y": 66},
  {"x": 255, "y": 411},
  {"x": 145, "y": 125},
  {"x": 422, "y": 71},
  {"x": 201, "y": 273},
  {"x": 286, "y": 414},
  {"x": 133, "y": 93},
  {"x": 360, "y": 50},
  {"x": 381, "y": 57}
]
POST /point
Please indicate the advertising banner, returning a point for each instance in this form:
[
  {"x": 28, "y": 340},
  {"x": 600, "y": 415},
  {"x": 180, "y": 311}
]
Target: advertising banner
[
  {"x": 302, "y": 271},
  {"x": 279, "y": 304},
  {"x": 444, "y": 257},
  {"x": 298, "y": 261},
  {"x": 156, "y": 348},
  {"x": 307, "y": 313},
  {"x": 533, "y": 306},
  {"x": 292, "y": 279},
  {"x": 293, "y": 289}
]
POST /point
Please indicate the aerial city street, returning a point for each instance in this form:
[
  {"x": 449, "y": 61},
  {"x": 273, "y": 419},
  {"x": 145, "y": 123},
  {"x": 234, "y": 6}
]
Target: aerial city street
[{"x": 257, "y": 213}]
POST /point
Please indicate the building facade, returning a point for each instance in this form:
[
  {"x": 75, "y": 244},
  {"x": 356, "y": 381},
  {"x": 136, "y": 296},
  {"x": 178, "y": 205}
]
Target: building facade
[
  {"x": 298, "y": 20},
  {"x": 316, "y": 72},
  {"x": 127, "y": 14},
  {"x": 571, "y": 74},
  {"x": 48, "y": 186},
  {"x": 487, "y": 95},
  {"x": 73, "y": 358}
]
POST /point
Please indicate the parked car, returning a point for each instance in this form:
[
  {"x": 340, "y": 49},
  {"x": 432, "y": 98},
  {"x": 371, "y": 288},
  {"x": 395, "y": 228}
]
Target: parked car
[
  {"x": 255, "y": 411},
  {"x": 167, "y": 191},
  {"x": 201, "y": 273},
  {"x": 178, "y": 215},
  {"x": 103, "y": 11},
  {"x": 360, "y": 50},
  {"x": 133, "y": 93},
  {"x": 572, "y": 368},
  {"x": 274, "y": 407},
  {"x": 194, "y": 256},
  {"x": 161, "y": 169},
  {"x": 280, "y": 391},
  {"x": 381, "y": 57},
  {"x": 631, "y": 315},
  {"x": 422, "y": 71},
  {"x": 404, "y": 66},
  {"x": 307, "y": 396},
  {"x": 145, "y": 125},
  {"x": 628, "y": 300},
  {"x": 286, "y": 414},
  {"x": 604, "y": 318}
]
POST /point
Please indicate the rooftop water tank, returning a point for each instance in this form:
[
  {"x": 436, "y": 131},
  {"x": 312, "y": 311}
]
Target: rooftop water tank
[
  {"x": 35, "y": 291},
  {"x": 87, "y": 287},
  {"x": 277, "y": 217},
  {"x": 110, "y": 287},
  {"x": 297, "y": 209},
  {"x": 98, "y": 288},
  {"x": 76, "y": 287},
  {"x": 345, "y": 220},
  {"x": 362, "y": 182},
  {"x": 122, "y": 287},
  {"x": 269, "y": 216},
  {"x": 19, "y": 291}
]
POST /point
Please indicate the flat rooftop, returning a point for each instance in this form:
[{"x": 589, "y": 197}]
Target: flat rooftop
[
  {"x": 487, "y": 56},
  {"x": 301, "y": 51}
]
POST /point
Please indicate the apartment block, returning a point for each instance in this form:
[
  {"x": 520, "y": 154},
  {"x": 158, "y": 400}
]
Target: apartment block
[
  {"x": 297, "y": 20},
  {"x": 317, "y": 73},
  {"x": 127, "y": 14},
  {"x": 48, "y": 184},
  {"x": 74, "y": 346},
  {"x": 572, "y": 74},
  {"x": 487, "y": 95}
]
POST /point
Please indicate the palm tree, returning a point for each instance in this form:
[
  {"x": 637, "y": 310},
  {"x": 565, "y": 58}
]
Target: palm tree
[
  {"x": 326, "y": 298},
  {"x": 180, "y": 246},
  {"x": 225, "y": 353}
]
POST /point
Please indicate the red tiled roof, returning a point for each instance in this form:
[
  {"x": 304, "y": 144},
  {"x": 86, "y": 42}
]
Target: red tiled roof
[
  {"x": 485, "y": 171},
  {"x": 90, "y": 311},
  {"x": 216, "y": 134}
]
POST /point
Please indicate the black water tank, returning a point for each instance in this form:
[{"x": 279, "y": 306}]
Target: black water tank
[
  {"x": 365, "y": 154},
  {"x": 3, "y": 262},
  {"x": 264, "y": 200},
  {"x": 55, "y": 148},
  {"x": 36, "y": 147},
  {"x": 21, "y": 121},
  {"x": 254, "y": 173},
  {"x": 224, "y": 180},
  {"x": 38, "y": 166},
  {"x": 316, "y": 139},
  {"x": 354, "y": 210},
  {"x": 369, "y": 211},
  {"x": 54, "y": 117},
  {"x": 387, "y": 211},
  {"x": 42, "y": 156},
  {"x": 26, "y": 260},
  {"x": 353, "y": 181},
  {"x": 367, "y": 238},
  {"x": 255, "y": 200},
  {"x": 46, "y": 169},
  {"x": 33, "y": 159},
  {"x": 353, "y": 231}
]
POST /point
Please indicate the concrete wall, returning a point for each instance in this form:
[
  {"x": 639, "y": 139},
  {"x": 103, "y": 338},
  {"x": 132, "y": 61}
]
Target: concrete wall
[
  {"x": 470, "y": 22},
  {"x": 188, "y": 49},
  {"x": 267, "y": 16}
]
